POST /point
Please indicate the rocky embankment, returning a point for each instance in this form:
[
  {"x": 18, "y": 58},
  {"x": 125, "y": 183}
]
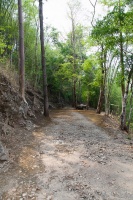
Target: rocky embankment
[{"x": 14, "y": 112}]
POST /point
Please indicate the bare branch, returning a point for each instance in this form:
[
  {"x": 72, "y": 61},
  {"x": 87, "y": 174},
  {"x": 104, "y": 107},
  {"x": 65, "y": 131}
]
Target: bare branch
[{"x": 94, "y": 10}]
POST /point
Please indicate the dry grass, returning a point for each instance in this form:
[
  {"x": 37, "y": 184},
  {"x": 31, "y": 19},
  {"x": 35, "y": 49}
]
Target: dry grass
[{"x": 10, "y": 73}]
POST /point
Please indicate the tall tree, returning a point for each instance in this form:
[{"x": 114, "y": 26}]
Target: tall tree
[
  {"x": 116, "y": 38},
  {"x": 72, "y": 18},
  {"x": 21, "y": 51},
  {"x": 45, "y": 91},
  {"x": 75, "y": 44}
]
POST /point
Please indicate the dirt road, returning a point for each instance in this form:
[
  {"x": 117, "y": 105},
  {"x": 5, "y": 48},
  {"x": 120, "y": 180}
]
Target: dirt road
[{"x": 70, "y": 158}]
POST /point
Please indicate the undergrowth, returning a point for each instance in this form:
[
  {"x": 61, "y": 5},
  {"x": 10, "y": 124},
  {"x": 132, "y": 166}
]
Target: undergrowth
[{"x": 10, "y": 73}]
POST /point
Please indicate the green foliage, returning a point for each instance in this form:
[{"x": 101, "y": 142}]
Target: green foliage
[
  {"x": 2, "y": 44},
  {"x": 90, "y": 80},
  {"x": 8, "y": 29}
]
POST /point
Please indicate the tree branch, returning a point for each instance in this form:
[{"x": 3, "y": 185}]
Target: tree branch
[{"x": 94, "y": 7}]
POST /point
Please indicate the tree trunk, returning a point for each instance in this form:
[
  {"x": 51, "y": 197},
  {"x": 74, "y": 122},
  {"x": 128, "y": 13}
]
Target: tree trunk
[
  {"x": 100, "y": 101},
  {"x": 88, "y": 105},
  {"x": 131, "y": 106},
  {"x": 21, "y": 52},
  {"x": 107, "y": 95},
  {"x": 79, "y": 96},
  {"x": 102, "y": 87},
  {"x": 45, "y": 92},
  {"x": 74, "y": 58},
  {"x": 106, "y": 87},
  {"x": 36, "y": 59},
  {"x": 74, "y": 67},
  {"x": 107, "y": 104},
  {"x": 74, "y": 94},
  {"x": 124, "y": 94},
  {"x": 124, "y": 103}
]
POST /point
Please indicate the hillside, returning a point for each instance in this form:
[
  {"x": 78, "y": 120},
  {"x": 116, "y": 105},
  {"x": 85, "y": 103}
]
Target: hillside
[{"x": 14, "y": 112}]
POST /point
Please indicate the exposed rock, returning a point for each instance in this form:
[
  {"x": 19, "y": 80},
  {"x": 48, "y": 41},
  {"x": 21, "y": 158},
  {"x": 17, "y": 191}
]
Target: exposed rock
[
  {"x": 6, "y": 129},
  {"x": 3, "y": 153},
  {"x": 29, "y": 125},
  {"x": 13, "y": 108}
]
